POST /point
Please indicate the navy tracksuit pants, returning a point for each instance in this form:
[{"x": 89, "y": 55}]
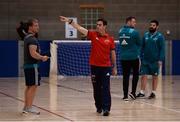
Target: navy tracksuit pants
[{"x": 100, "y": 77}]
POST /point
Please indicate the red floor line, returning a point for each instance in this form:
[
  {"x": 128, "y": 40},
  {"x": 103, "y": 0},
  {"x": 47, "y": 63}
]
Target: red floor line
[{"x": 15, "y": 98}]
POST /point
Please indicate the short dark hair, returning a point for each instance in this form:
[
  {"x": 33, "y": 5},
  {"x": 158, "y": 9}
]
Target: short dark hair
[
  {"x": 129, "y": 18},
  {"x": 103, "y": 20},
  {"x": 154, "y": 21}
]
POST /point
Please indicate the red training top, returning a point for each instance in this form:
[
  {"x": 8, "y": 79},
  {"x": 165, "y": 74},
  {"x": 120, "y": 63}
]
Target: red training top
[{"x": 101, "y": 49}]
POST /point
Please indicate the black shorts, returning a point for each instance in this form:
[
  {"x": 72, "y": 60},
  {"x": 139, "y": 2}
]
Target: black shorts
[{"x": 32, "y": 76}]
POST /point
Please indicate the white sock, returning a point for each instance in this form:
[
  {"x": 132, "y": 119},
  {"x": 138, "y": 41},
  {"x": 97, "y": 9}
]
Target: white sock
[{"x": 142, "y": 91}]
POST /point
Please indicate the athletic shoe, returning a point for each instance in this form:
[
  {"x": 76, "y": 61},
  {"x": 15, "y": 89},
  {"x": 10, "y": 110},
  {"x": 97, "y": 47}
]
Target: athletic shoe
[
  {"x": 125, "y": 99},
  {"x": 99, "y": 111},
  {"x": 24, "y": 111},
  {"x": 30, "y": 110},
  {"x": 133, "y": 96},
  {"x": 140, "y": 95},
  {"x": 152, "y": 96},
  {"x": 105, "y": 113}
]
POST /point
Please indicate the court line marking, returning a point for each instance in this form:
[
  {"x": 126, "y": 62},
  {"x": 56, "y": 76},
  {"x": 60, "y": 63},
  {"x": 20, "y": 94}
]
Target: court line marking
[
  {"x": 115, "y": 95},
  {"x": 18, "y": 99},
  {"x": 66, "y": 87},
  {"x": 161, "y": 107}
]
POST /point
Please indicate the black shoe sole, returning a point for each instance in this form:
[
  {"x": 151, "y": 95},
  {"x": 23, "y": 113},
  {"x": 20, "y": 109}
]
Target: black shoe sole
[
  {"x": 151, "y": 97},
  {"x": 106, "y": 114},
  {"x": 99, "y": 111}
]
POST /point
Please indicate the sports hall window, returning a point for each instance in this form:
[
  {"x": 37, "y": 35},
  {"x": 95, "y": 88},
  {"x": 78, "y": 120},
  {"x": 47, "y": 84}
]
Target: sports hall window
[{"x": 89, "y": 15}]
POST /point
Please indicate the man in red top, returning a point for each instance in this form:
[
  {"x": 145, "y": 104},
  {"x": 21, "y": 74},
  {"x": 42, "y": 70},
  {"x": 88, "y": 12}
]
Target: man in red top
[{"x": 103, "y": 48}]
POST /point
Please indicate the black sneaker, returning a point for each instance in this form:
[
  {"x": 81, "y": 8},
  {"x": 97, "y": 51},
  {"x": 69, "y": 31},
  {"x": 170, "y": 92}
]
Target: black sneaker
[
  {"x": 152, "y": 96},
  {"x": 105, "y": 113},
  {"x": 99, "y": 111},
  {"x": 133, "y": 96},
  {"x": 125, "y": 98},
  {"x": 140, "y": 95}
]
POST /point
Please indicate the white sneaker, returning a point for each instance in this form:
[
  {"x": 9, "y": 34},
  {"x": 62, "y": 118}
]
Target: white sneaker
[
  {"x": 30, "y": 110},
  {"x": 24, "y": 111}
]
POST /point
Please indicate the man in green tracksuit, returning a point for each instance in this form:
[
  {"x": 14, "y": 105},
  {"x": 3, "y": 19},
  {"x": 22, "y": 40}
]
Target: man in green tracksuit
[
  {"x": 153, "y": 51},
  {"x": 130, "y": 44}
]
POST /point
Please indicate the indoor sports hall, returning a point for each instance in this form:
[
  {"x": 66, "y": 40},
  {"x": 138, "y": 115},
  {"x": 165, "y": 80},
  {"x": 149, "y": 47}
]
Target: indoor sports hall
[{"x": 62, "y": 52}]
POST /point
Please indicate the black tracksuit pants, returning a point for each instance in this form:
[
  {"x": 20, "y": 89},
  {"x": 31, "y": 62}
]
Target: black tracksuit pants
[{"x": 127, "y": 67}]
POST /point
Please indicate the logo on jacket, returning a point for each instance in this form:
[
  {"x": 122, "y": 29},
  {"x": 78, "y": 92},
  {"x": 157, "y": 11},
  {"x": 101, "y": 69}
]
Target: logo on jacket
[
  {"x": 124, "y": 42},
  {"x": 97, "y": 38},
  {"x": 106, "y": 41},
  {"x": 108, "y": 74}
]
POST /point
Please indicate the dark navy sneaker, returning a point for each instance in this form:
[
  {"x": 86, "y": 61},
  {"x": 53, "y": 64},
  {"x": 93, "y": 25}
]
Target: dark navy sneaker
[
  {"x": 152, "y": 96},
  {"x": 140, "y": 95},
  {"x": 133, "y": 96},
  {"x": 105, "y": 113},
  {"x": 99, "y": 111},
  {"x": 125, "y": 98}
]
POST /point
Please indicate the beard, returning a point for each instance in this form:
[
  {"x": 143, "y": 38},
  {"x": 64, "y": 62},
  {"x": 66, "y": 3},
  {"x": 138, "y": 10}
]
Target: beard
[{"x": 152, "y": 30}]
